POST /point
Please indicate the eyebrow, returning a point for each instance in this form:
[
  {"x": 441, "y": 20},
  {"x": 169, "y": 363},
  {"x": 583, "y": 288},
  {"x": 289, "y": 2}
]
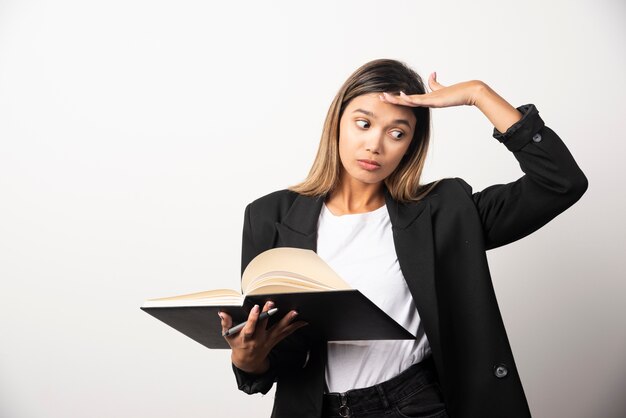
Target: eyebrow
[{"x": 397, "y": 121}]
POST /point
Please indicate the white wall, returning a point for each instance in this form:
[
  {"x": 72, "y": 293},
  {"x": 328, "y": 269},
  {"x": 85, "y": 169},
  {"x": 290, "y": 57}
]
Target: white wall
[{"x": 126, "y": 127}]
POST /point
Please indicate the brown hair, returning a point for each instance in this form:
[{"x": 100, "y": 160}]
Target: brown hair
[{"x": 373, "y": 77}]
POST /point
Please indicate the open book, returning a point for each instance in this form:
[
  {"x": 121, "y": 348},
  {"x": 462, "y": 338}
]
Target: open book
[{"x": 292, "y": 278}]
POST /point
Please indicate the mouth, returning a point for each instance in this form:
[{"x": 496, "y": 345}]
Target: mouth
[{"x": 369, "y": 165}]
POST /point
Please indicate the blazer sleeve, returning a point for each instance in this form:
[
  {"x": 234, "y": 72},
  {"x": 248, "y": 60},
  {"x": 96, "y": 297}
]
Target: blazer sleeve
[
  {"x": 292, "y": 352},
  {"x": 551, "y": 183},
  {"x": 247, "y": 382}
]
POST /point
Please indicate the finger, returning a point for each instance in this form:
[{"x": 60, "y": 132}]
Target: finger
[
  {"x": 263, "y": 322},
  {"x": 389, "y": 98},
  {"x": 227, "y": 323},
  {"x": 410, "y": 100},
  {"x": 402, "y": 99},
  {"x": 225, "y": 320},
  {"x": 283, "y": 324},
  {"x": 433, "y": 83},
  {"x": 248, "y": 330},
  {"x": 418, "y": 100},
  {"x": 289, "y": 329}
]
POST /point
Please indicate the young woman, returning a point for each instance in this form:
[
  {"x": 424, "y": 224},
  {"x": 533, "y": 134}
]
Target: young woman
[{"x": 417, "y": 251}]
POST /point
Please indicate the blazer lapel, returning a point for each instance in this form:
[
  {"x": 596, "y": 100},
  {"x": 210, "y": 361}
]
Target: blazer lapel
[
  {"x": 299, "y": 227},
  {"x": 413, "y": 240}
]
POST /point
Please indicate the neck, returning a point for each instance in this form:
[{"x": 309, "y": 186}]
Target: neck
[{"x": 352, "y": 196}]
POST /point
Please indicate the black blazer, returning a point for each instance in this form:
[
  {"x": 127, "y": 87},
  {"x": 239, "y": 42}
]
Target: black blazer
[{"x": 441, "y": 243}]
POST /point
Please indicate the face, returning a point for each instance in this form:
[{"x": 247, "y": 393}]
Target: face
[{"x": 373, "y": 138}]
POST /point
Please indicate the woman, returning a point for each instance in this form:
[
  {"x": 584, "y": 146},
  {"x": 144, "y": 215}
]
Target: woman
[{"x": 418, "y": 251}]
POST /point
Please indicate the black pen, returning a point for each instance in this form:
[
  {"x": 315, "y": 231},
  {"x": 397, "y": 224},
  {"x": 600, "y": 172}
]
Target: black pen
[{"x": 238, "y": 328}]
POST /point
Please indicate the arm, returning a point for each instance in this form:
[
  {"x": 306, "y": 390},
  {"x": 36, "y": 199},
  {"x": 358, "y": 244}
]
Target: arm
[
  {"x": 469, "y": 93},
  {"x": 552, "y": 181}
]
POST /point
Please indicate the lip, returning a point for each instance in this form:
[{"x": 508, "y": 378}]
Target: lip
[{"x": 369, "y": 165}]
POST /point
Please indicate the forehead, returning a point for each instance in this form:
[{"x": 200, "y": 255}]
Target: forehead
[{"x": 381, "y": 110}]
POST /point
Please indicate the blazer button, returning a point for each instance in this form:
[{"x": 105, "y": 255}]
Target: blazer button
[
  {"x": 500, "y": 371},
  {"x": 537, "y": 138}
]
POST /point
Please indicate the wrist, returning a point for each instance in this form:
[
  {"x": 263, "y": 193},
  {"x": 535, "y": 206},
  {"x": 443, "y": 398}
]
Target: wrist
[
  {"x": 252, "y": 367},
  {"x": 480, "y": 93}
]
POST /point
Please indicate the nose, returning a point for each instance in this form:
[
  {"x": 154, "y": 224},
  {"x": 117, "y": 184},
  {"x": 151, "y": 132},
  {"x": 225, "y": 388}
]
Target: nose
[{"x": 374, "y": 142}]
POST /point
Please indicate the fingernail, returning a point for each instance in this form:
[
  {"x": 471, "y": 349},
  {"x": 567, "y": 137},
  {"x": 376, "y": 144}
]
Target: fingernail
[
  {"x": 220, "y": 315},
  {"x": 294, "y": 314},
  {"x": 255, "y": 309},
  {"x": 402, "y": 93},
  {"x": 381, "y": 97},
  {"x": 270, "y": 304}
]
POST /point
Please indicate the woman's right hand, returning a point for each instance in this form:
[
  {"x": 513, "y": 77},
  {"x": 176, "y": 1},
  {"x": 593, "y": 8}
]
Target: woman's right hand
[{"x": 251, "y": 346}]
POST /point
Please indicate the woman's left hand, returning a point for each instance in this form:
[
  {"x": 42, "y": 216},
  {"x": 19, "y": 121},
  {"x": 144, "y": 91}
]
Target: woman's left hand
[
  {"x": 465, "y": 93},
  {"x": 468, "y": 93}
]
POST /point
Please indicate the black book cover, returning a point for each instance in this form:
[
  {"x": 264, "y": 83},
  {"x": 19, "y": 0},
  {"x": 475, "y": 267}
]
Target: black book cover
[{"x": 332, "y": 315}]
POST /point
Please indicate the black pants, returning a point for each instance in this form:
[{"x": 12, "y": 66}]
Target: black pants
[{"x": 414, "y": 393}]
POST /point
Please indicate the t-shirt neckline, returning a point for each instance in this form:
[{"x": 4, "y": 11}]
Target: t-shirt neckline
[{"x": 374, "y": 214}]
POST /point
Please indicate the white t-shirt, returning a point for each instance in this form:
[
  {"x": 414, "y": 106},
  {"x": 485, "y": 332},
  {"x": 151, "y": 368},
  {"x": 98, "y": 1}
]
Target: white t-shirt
[{"x": 360, "y": 248}]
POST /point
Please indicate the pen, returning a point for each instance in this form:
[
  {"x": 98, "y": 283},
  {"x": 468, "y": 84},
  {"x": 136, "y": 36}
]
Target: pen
[{"x": 238, "y": 328}]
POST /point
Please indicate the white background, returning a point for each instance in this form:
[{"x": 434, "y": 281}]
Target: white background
[{"x": 133, "y": 133}]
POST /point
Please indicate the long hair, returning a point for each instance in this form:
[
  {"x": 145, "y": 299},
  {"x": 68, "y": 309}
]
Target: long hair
[{"x": 373, "y": 77}]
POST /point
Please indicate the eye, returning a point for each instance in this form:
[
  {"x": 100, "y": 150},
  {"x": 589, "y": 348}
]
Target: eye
[
  {"x": 364, "y": 122},
  {"x": 399, "y": 136}
]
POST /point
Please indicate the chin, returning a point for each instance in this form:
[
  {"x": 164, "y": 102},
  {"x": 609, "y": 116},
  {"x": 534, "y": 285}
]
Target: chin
[{"x": 369, "y": 179}]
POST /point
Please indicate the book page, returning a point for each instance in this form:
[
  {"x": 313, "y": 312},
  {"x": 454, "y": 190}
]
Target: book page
[
  {"x": 284, "y": 284},
  {"x": 289, "y": 269},
  {"x": 217, "y": 297},
  {"x": 287, "y": 277}
]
